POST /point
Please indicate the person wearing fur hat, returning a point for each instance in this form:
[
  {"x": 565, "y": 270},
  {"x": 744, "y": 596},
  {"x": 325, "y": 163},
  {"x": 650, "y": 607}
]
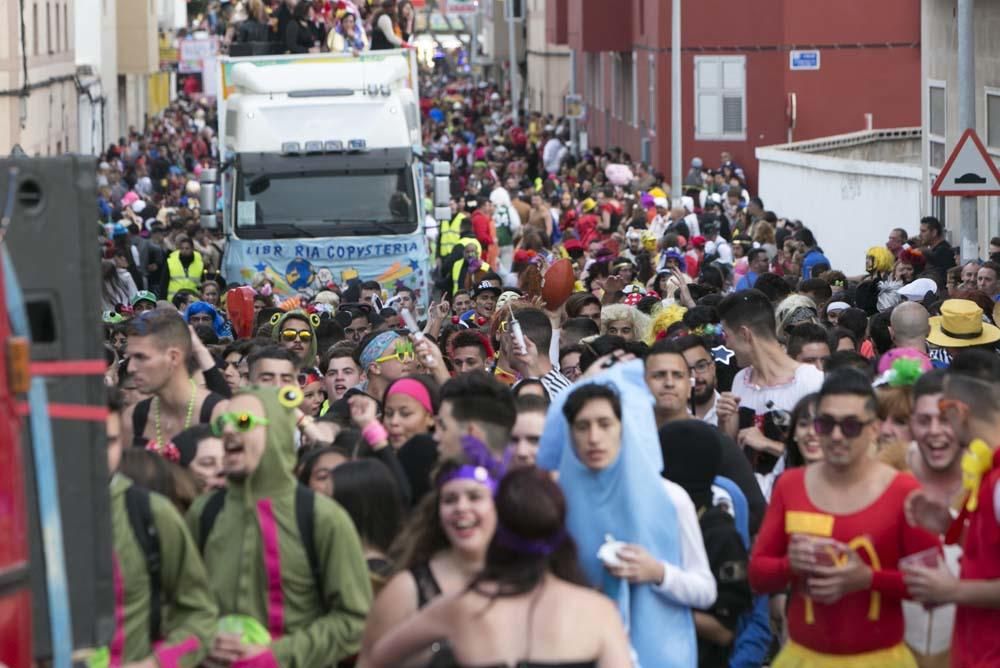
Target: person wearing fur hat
[
  {"x": 301, "y": 592},
  {"x": 296, "y": 331}
]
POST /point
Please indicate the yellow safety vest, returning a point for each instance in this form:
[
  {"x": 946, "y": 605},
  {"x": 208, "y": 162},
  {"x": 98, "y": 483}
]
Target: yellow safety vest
[
  {"x": 181, "y": 279},
  {"x": 456, "y": 269},
  {"x": 450, "y": 233}
]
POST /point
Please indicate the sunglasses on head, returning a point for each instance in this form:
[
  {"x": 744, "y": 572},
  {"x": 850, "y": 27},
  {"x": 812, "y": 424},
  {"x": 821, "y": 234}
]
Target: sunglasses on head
[
  {"x": 303, "y": 335},
  {"x": 850, "y": 427},
  {"x": 241, "y": 422}
]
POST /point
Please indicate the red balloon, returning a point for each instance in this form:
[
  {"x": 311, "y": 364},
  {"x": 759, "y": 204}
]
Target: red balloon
[{"x": 557, "y": 283}]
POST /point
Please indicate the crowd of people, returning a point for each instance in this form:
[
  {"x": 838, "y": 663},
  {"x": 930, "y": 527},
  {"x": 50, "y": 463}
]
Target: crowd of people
[{"x": 333, "y": 487}]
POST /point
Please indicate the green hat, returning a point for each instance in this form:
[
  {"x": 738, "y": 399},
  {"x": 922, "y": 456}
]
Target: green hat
[
  {"x": 143, "y": 296},
  {"x": 311, "y": 319},
  {"x": 274, "y": 472}
]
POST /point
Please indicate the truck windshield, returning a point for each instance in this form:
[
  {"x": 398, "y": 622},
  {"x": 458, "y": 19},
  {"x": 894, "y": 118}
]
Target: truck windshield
[{"x": 325, "y": 203}]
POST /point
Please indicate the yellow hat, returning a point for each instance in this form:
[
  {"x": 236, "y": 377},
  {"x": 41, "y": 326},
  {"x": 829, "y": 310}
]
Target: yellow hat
[
  {"x": 961, "y": 325},
  {"x": 588, "y": 205}
]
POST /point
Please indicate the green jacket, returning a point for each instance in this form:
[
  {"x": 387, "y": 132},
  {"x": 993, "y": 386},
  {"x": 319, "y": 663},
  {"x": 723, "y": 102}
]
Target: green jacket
[
  {"x": 260, "y": 568},
  {"x": 188, "y": 611}
]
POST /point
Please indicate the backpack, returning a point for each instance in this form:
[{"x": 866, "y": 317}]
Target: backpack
[
  {"x": 305, "y": 507},
  {"x": 140, "y": 516}
]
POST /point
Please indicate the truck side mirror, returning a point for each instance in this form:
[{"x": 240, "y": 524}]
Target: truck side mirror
[
  {"x": 206, "y": 198},
  {"x": 442, "y": 190}
]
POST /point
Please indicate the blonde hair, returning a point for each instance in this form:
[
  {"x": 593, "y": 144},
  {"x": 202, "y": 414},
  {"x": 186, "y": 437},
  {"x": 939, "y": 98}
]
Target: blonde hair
[
  {"x": 764, "y": 233},
  {"x": 639, "y": 320}
]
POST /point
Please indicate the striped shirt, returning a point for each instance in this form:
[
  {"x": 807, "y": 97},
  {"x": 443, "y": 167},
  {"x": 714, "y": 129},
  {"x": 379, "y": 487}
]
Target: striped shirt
[{"x": 555, "y": 382}]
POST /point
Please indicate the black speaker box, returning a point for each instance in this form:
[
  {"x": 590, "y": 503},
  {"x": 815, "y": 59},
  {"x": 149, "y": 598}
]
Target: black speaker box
[{"x": 52, "y": 242}]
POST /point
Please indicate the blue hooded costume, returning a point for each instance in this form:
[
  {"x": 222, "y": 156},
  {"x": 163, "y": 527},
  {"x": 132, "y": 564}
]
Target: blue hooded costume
[
  {"x": 219, "y": 324},
  {"x": 628, "y": 501}
]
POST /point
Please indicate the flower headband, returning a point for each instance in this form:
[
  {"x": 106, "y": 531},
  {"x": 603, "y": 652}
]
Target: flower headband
[{"x": 480, "y": 466}]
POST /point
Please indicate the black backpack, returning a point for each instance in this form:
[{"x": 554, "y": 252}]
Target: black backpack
[
  {"x": 140, "y": 516},
  {"x": 305, "y": 505}
]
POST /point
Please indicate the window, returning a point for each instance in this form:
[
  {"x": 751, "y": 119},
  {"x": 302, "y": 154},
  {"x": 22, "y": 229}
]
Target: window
[
  {"x": 48, "y": 27},
  {"x": 652, "y": 91},
  {"x": 720, "y": 97},
  {"x": 66, "y": 27},
  {"x": 34, "y": 28},
  {"x": 623, "y": 86},
  {"x": 58, "y": 30},
  {"x": 595, "y": 80},
  {"x": 993, "y": 117},
  {"x": 633, "y": 98},
  {"x": 936, "y": 123}
]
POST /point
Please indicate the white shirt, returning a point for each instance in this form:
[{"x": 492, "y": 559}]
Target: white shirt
[
  {"x": 711, "y": 416},
  {"x": 692, "y": 583}
]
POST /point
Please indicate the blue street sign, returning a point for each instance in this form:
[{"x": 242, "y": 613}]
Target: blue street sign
[{"x": 803, "y": 60}]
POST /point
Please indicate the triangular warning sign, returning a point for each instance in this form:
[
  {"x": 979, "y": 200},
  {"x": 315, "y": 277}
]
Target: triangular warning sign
[{"x": 969, "y": 171}]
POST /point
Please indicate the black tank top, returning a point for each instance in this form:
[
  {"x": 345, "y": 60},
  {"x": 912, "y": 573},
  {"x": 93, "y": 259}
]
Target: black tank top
[
  {"x": 379, "y": 41},
  {"x": 427, "y": 587},
  {"x": 140, "y": 416}
]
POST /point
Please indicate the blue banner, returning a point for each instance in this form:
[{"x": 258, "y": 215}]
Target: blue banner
[{"x": 303, "y": 267}]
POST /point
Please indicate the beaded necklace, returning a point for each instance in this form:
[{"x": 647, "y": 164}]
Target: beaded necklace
[{"x": 187, "y": 418}]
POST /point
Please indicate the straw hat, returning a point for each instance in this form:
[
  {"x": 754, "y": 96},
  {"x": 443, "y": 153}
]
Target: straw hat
[{"x": 961, "y": 325}]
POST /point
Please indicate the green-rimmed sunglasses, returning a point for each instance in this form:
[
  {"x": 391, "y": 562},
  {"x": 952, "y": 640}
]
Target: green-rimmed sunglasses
[{"x": 242, "y": 422}]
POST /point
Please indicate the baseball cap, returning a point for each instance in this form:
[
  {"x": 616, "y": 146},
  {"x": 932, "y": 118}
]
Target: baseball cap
[
  {"x": 143, "y": 296},
  {"x": 918, "y": 289},
  {"x": 486, "y": 286}
]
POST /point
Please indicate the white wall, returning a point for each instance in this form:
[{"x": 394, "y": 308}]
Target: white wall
[
  {"x": 97, "y": 17},
  {"x": 850, "y": 205}
]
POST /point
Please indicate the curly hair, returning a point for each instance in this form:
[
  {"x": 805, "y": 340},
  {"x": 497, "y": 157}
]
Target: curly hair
[
  {"x": 914, "y": 258},
  {"x": 640, "y": 321}
]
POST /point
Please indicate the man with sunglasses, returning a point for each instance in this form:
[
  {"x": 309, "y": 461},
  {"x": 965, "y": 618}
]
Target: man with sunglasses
[
  {"x": 276, "y": 552},
  {"x": 971, "y": 405},
  {"x": 296, "y": 332},
  {"x": 835, "y": 533}
]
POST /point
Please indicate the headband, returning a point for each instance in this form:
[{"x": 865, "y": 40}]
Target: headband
[
  {"x": 481, "y": 466},
  {"x": 413, "y": 389},
  {"x": 376, "y": 346},
  {"x": 540, "y": 547},
  {"x": 469, "y": 472}
]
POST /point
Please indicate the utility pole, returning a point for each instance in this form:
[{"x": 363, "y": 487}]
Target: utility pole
[
  {"x": 515, "y": 79},
  {"x": 967, "y": 119},
  {"x": 675, "y": 102}
]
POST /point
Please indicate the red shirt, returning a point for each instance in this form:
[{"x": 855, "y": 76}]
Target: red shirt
[
  {"x": 481, "y": 228},
  {"x": 863, "y": 621},
  {"x": 976, "y": 642}
]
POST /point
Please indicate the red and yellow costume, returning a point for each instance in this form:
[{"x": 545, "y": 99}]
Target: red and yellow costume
[
  {"x": 863, "y": 628},
  {"x": 976, "y": 642}
]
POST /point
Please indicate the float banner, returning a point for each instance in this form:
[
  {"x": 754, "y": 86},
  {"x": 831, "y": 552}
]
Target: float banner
[{"x": 303, "y": 267}]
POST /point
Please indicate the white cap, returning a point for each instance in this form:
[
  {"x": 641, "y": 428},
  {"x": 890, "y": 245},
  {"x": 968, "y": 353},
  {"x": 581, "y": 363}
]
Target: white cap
[
  {"x": 835, "y": 307},
  {"x": 918, "y": 289},
  {"x": 660, "y": 202}
]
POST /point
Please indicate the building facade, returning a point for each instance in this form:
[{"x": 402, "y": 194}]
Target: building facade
[
  {"x": 739, "y": 87},
  {"x": 38, "y": 88},
  {"x": 547, "y": 81},
  {"x": 97, "y": 70},
  {"x": 939, "y": 102}
]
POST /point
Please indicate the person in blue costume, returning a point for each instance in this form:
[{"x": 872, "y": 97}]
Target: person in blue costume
[
  {"x": 599, "y": 439},
  {"x": 203, "y": 313}
]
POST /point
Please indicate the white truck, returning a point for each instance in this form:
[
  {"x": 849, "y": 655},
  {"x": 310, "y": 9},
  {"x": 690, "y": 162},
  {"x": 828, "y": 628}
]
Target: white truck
[{"x": 320, "y": 171}]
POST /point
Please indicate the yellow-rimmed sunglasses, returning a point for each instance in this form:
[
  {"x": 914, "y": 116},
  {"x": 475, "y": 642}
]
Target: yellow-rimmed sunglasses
[
  {"x": 404, "y": 353},
  {"x": 303, "y": 335}
]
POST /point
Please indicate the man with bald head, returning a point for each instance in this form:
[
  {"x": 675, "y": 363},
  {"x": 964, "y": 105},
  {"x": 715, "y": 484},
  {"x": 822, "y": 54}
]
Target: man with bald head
[{"x": 909, "y": 326}]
